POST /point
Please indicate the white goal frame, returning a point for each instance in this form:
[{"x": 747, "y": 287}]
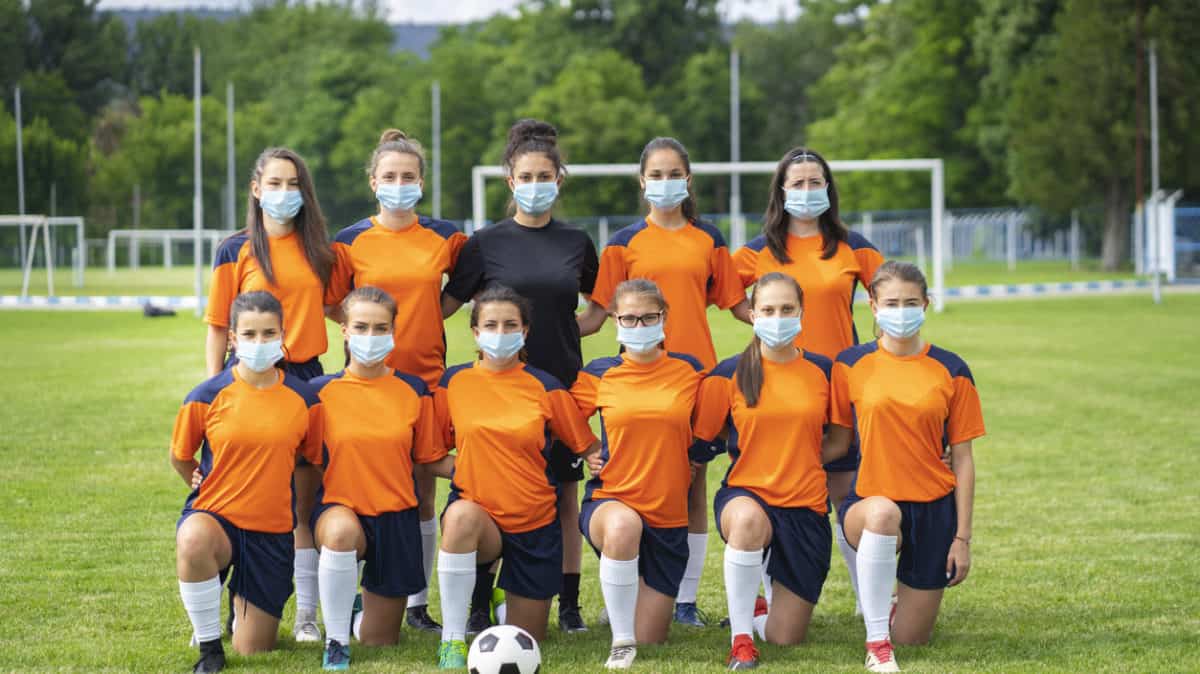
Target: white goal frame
[
  {"x": 42, "y": 223},
  {"x": 937, "y": 194}
]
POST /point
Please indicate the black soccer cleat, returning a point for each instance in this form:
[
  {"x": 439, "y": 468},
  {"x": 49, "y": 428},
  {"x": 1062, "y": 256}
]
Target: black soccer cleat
[
  {"x": 570, "y": 620},
  {"x": 418, "y": 618},
  {"x": 212, "y": 658},
  {"x": 478, "y": 620}
]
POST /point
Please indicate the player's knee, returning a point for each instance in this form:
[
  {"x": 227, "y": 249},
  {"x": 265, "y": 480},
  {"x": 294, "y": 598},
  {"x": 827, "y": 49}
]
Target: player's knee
[
  {"x": 746, "y": 526},
  {"x": 623, "y": 530},
  {"x": 882, "y": 516}
]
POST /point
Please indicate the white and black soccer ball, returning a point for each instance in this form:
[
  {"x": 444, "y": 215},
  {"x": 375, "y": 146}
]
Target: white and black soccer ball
[{"x": 504, "y": 649}]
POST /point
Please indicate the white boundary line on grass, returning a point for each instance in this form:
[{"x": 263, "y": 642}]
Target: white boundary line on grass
[{"x": 957, "y": 294}]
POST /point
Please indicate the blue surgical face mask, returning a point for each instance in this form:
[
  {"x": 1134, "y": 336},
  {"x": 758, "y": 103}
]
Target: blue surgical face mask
[
  {"x": 535, "y": 198},
  {"x": 807, "y": 203},
  {"x": 370, "y": 349},
  {"x": 777, "y": 331},
  {"x": 666, "y": 193},
  {"x": 500, "y": 345},
  {"x": 395, "y": 197},
  {"x": 900, "y": 322},
  {"x": 260, "y": 356},
  {"x": 641, "y": 339},
  {"x": 281, "y": 205}
]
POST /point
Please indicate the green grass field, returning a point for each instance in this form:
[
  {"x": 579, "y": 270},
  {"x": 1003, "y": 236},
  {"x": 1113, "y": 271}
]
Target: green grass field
[
  {"x": 1086, "y": 530},
  {"x": 179, "y": 280}
]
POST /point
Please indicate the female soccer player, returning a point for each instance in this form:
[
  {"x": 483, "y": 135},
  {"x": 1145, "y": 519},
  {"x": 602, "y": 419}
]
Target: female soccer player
[
  {"x": 635, "y": 511},
  {"x": 406, "y": 256},
  {"x": 688, "y": 259},
  {"x": 803, "y": 236},
  {"x": 249, "y": 422},
  {"x": 774, "y": 495},
  {"x": 909, "y": 399},
  {"x": 379, "y": 425},
  {"x": 283, "y": 249},
  {"x": 551, "y": 263},
  {"x": 500, "y": 412}
]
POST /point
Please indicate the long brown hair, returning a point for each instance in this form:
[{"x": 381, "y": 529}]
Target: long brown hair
[
  {"x": 309, "y": 222},
  {"x": 688, "y": 207},
  {"x": 776, "y": 219},
  {"x": 749, "y": 371}
]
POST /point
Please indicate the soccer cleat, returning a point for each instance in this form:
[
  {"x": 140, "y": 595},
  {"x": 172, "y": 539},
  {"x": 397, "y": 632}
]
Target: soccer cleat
[
  {"x": 212, "y": 658},
  {"x": 743, "y": 655},
  {"x": 452, "y": 655},
  {"x": 305, "y": 628},
  {"x": 570, "y": 620},
  {"x": 336, "y": 658},
  {"x": 478, "y": 621},
  {"x": 687, "y": 613},
  {"x": 418, "y": 618},
  {"x": 880, "y": 657},
  {"x": 621, "y": 656}
]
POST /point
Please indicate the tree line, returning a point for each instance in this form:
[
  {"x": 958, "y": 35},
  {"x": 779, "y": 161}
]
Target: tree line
[{"x": 1030, "y": 102}]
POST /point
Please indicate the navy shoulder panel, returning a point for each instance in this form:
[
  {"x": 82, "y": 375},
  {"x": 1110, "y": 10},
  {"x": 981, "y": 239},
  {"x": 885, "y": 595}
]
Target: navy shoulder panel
[
  {"x": 318, "y": 383},
  {"x": 302, "y": 388},
  {"x": 599, "y": 366},
  {"x": 207, "y": 390},
  {"x": 444, "y": 228},
  {"x": 451, "y": 371},
  {"x": 757, "y": 243},
  {"x": 726, "y": 368},
  {"x": 853, "y": 354},
  {"x": 820, "y": 361},
  {"x": 549, "y": 382},
  {"x": 626, "y": 234},
  {"x": 857, "y": 241},
  {"x": 349, "y": 234},
  {"x": 228, "y": 251},
  {"x": 690, "y": 360},
  {"x": 714, "y": 233},
  {"x": 956, "y": 366},
  {"x": 418, "y": 385}
]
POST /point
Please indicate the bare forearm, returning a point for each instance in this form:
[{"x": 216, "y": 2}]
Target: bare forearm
[
  {"x": 591, "y": 320},
  {"x": 741, "y": 311},
  {"x": 836, "y": 443},
  {"x": 216, "y": 345},
  {"x": 449, "y": 305},
  {"x": 184, "y": 468},
  {"x": 964, "y": 491}
]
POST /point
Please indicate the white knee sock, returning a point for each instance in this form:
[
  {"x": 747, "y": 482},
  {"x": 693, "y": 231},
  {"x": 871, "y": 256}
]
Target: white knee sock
[
  {"x": 876, "y": 576},
  {"x": 202, "y": 601},
  {"x": 619, "y": 585},
  {"x": 338, "y": 580},
  {"x": 428, "y": 548},
  {"x": 690, "y": 585},
  {"x": 766, "y": 577},
  {"x": 743, "y": 570},
  {"x": 849, "y": 555},
  {"x": 306, "y": 580},
  {"x": 456, "y": 579}
]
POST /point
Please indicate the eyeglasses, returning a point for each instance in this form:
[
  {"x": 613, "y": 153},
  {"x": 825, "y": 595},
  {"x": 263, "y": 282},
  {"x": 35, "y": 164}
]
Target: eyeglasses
[{"x": 632, "y": 320}]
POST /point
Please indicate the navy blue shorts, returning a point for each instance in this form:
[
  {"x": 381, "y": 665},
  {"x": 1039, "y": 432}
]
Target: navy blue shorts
[
  {"x": 926, "y": 532},
  {"x": 801, "y": 543},
  {"x": 530, "y": 561},
  {"x": 847, "y": 463},
  {"x": 565, "y": 465},
  {"x": 662, "y": 554},
  {"x": 393, "y": 565},
  {"x": 702, "y": 451},
  {"x": 262, "y": 564}
]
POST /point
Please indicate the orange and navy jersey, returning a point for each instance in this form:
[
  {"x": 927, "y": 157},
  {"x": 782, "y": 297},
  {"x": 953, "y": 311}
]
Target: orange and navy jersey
[
  {"x": 775, "y": 446},
  {"x": 691, "y": 266},
  {"x": 828, "y": 285},
  {"x": 297, "y": 287},
  {"x": 248, "y": 439},
  {"x": 375, "y": 430},
  {"x": 502, "y": 423},
  {"x": 907, "y": 410},
  {"x": 646, "y": 428},
  {"x": 408, "y": 265}
]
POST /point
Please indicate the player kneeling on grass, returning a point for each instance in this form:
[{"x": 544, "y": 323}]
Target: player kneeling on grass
[
  {"x": 910, "y": 400},
  {"x": 250, "y": 423},
  {"x": 774, "y": 495},
  {"x": 635, "y": 510},
  {"x": 378, "y": 423},
  {"x": 501, "y": 413}
]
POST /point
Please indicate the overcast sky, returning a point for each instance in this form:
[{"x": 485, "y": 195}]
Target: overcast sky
[{"x": 423, "y": 11}]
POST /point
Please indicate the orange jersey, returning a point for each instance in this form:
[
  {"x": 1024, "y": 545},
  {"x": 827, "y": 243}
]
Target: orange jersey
[
  {"x": 775, "y": 445},
  {"x": 296, "y": 287},
  {"x": 501, "y": 423},
  {"x": 646, "y": 421},
  {"x": 907, "y": 409},
  {"x": 375, "y": 430},
  {"x": 408, "y": 265},
  {"x": 248, "y": 440},
  {"x": 691, "y": 266},
  {"x": 828, "y": 284}
]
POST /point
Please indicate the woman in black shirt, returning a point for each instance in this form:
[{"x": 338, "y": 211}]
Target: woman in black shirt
[{"x": 551, "y": 263}]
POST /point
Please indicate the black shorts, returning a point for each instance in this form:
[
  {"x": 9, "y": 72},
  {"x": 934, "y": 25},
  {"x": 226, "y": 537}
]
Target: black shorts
[
  {"x": 565, "y": 465},
  {"x": 801, "y": 543},
  {"x": 530, "y": 561},
  {"x": 927, "y": 531},
  {"x": 263, "y": 564},
  {"x": 393, "y": 564},
  {"x": 662, "y": 554}
]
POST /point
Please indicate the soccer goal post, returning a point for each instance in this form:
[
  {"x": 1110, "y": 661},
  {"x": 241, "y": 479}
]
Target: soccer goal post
[
  {"x": 41, "y": 224},
  {"x": 937, "y": 194}
]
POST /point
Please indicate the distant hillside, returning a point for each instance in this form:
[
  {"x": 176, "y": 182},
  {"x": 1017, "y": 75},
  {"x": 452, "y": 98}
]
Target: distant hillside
[{"x": 412, "y": 37}]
